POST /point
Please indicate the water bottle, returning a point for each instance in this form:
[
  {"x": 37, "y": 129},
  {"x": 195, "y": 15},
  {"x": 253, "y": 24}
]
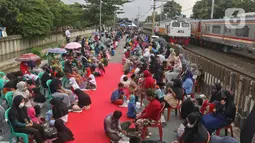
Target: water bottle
[{"x": 125, "y": 99}]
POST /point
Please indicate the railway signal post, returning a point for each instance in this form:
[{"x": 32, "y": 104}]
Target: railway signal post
[{"x": 153, "y": 17}]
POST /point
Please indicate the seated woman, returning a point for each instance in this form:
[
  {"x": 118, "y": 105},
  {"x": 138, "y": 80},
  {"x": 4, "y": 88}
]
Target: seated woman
[
  {"x": 224, "y": 113},
  {"x": 58, "y": 91},
  {"x": 194, "y": 131},
  {"x": 170, "y": 99},
  {"x": 216, "y": 93},
  {"x": 117, "y": 95},
  {"x": 177, "y": 88},
  {"x": 100, "y": 71},
  {"x": 64, "y": 134},
  {"x": 91, "y": 80},
  {"x": 21, "y": 123},
  {"x": 46, "y": 76},
  {"x": 149, "y": 82},
  {"x": 187, "y": 84},
  {"x": 30, "y": 105},
  {"x": 150, "y": 114},
  {"x": 159, "y": 94},
  {"x": 132, "y": 111},
  {"x": 70, "y": 73},
  {"x": 59, "y": 110},
  {"x": 84, "y": 100}
]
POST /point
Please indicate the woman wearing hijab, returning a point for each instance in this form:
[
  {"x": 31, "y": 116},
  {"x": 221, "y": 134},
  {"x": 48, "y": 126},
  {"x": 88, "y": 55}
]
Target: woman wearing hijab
[
  {"x": 194, "y": 131},
  {"x": 224, "y": 113},
  {"x": 187, "y": 84},
  {"x": 132, "y": 111},
  {"x": 59, "y": 109},
  {"x": 84, "y": 100},
  {"x": 170, "y": 99},
  {"x": 248, "y": 130},
  {"x": 216, "y": 93},
  {"x": 150, "y": 114},
  {"x": 149, "y": 82},
  {"x": 46, "y": 76},
  {"x": 58, "y": 91},
  {"x": 64, "y": 134},
  {"x": 177, "y": 88},
  {"x": 23, "y": 91},
  {"x": 21, "y": 123}
]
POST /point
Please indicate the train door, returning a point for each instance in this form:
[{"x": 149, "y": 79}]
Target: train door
[{"x": 167, "y": 29}]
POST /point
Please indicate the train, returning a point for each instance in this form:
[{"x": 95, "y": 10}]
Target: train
[
  {"x": 174, "y": 31},
  {"x": 217, "y": 33},
  {"x": 211, "y": 33}
]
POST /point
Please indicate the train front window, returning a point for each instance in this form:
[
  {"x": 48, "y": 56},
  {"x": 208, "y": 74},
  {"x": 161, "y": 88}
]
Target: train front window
[
  {"x": 176, "y": 24},
  {"x": 185, "y": 24}
]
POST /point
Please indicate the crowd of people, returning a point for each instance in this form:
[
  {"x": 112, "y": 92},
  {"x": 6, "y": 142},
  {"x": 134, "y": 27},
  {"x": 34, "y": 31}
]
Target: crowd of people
[
  {"x": 152, "y": 69},
  {"x": 59, "y": 84},
  {"x": 159, "y": 72}
]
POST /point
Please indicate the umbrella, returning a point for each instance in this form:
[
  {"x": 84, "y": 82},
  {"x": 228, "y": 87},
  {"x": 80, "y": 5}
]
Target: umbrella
[
  {"x": 73, "y": 45},
  {"x": 122, "y": 25},
  {"x": 95, "y": 33},
  {"x": 57, "y": 51},
  {"x": 28, "y": 57}
]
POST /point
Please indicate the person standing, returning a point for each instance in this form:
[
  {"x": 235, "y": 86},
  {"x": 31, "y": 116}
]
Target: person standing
[{"x": 68, "y": 35}]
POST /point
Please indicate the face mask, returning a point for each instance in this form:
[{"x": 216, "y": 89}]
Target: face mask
[
  {"x": 191, "y": 125},
  {"x": 21, "y": 105}
]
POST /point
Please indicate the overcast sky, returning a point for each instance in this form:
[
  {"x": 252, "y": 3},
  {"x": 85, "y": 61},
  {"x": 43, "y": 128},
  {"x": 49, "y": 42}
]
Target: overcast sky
[{"x": 131, "y": 9}]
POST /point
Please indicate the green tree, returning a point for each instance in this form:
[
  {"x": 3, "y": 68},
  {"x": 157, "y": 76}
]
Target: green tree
[
  {"x": 172, "y": 9},
  {"x": 9, "y": 11},
  {"x": 109, "y": 10},
  {"x": 35, "y": 19},
  {"x": 202, "y": 8}
]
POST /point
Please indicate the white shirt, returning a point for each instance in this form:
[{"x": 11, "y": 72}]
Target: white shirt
[
  {"x": 92, "y": 79},
  {"x": 68, "y": 34}
]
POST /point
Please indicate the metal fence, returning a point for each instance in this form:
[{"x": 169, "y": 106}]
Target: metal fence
[{"x": 242, "y": 86}]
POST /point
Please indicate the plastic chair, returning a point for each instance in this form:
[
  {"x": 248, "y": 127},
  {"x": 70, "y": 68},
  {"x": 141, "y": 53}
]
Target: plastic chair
[
  {"x": 9, "y": 97},
  {"x": 158, "y": 124},
  {"x": 169, "y": 109},
  {"x": 49, "y": 92},
  {"x": 13, "y": 133},
  {"x": 226, "y": 130}
]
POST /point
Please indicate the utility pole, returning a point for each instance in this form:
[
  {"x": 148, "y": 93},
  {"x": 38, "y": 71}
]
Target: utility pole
[
  {"x": 212, "y": 10},
  {"x": 138, "y": 16},
  {"x": 153, "y": 16},
  {"x": 100, "y": 19}
]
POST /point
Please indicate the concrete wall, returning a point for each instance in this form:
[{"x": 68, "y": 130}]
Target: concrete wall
[{"x": 12, "y": 45}]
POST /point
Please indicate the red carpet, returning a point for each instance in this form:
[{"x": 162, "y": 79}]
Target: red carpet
[{"x": 88, "y": 126}]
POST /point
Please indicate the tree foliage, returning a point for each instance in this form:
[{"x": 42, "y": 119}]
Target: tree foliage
[
  {"x": 202, "y": 8},
  {"x": 109, "y": 10},
  {"x": 37, "y": 18},
  {"x": 172, "y": 9}
]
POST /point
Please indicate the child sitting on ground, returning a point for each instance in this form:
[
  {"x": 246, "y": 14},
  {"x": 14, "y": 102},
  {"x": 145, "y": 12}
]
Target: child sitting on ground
[
  {"x": 132, "y": 111},
  {"x": 118, "y": 95}
]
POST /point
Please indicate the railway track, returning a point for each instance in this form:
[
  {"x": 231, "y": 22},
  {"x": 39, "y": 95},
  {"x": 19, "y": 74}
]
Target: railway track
[{"x": 233, "y": 62}]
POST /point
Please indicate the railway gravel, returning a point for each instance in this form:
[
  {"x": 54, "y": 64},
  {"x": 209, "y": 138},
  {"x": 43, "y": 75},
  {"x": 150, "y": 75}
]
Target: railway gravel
[{"x": 233, "y": 62}]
